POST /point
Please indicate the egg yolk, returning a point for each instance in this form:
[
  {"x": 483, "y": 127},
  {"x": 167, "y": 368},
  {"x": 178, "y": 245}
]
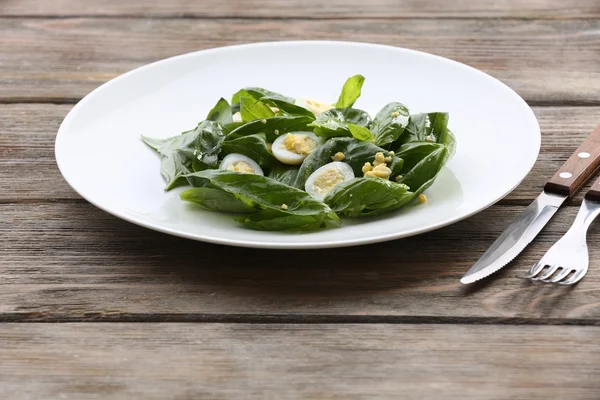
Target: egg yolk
[
  {"x": 299, "y": 144},
  {"x": 328, "y": 180},
  {"x": 241, "y": 166}
]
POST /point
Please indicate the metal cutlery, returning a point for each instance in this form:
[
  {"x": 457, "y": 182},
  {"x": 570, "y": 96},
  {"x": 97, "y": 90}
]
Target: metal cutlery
[
  {"x": 566, "y": 182},
  {"x": 568, "y": 259}
]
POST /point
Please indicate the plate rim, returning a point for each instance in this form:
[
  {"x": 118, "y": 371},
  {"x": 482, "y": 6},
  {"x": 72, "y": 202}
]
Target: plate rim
[{"x": 289, "y": 245}]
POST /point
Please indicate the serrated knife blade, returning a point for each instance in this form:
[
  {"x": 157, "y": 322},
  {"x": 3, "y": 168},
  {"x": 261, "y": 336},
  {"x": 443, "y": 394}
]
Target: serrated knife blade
[
  {"x": 567, "y": 181},
  {"x": 516, "y": 237}
]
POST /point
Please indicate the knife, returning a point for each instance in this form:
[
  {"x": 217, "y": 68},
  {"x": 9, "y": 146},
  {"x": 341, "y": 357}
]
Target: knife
[{"x": 565, "y": 183}]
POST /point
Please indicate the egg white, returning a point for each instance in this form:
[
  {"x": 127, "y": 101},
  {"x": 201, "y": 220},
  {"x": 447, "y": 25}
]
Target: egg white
[
  {"x": 289, "y": 157},
  {"x": 236, "y": 157},
  {"x": 314, "y": 191}
]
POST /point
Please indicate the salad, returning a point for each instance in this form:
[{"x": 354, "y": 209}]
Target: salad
[{"x": 281, "y": 163}]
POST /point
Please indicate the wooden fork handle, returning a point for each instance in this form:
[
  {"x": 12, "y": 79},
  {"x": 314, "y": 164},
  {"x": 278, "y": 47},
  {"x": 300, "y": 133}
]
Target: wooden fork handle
[
  {"x": 594, "y": 192},
  {"x": 578, "y": 168}
]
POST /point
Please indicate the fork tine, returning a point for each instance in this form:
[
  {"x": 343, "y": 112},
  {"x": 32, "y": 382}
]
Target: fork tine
[
  {"x": 549, "y": 272},
  {"x": 561, "y": 275},
  {"x": 575, "y": 278},
  {"x": 535, "y": 269}
]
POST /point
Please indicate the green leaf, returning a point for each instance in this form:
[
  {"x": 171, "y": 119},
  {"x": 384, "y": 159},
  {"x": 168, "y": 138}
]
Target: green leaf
[
  {"x": 368, "y": 196},
  {"x": 253, "y": 146},
  {"x": 431, "y": 127},
  {"x": 221, "y": 113},
  {"x": 356, "y": 154},
  {"x": 283, "y": 173},
  {"x": 288, "y": 108},
  {"x": 257, "y": 93},
  {"x": 191, "y": 151},
  {"x": 360, "y": 132},
  {"x": 335, "y": 122},
  {"x": 252, "y": 110},
  {"x": 350, "y": 91},
  {"x": 300, "y": 213},
  {"x": 215, "y": 199},
  {"x": 282, "y": 124},
  {"x": 389, "y": 123}
]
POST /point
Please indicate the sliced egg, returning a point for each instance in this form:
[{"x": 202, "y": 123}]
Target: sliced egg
[
  {"x": 316, "y": 106},
  {"x": 292, "y": 148},
  {"x": 240, "y": 163},
  {"x": 321, "y": 182},
  {"x": 237, "y": 117}
]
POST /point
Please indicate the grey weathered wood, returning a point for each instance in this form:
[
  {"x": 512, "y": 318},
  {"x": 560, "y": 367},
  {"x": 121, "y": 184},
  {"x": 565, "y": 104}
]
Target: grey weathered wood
[
  {"x": 29, "y": 172},
  {"x": 292, "y": 361},
  {"x": 546, "y": 61},
  {"x": 74, "y": 262},
  {"x": 308, "y": 8}
]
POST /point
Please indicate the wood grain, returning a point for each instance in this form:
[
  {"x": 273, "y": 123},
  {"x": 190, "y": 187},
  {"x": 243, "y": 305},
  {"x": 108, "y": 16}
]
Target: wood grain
[
  {"x": 291, "y": 361},
  {"x": 29, "y": 173},
  {"x": 57, "y": 60},
  {"x": 73, "y": 262},
  {"x": 308, "y": 8}
]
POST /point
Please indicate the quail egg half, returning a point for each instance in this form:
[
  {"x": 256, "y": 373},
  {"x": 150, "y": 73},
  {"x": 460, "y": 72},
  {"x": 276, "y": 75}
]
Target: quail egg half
[
  {"x": 240, "y": 163},
  {"x": 292, "y": 148},
  {"x": 321, "y": 182}
]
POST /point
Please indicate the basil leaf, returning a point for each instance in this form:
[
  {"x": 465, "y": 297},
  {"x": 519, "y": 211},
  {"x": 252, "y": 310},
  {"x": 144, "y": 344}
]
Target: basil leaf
[
  {"x": 253, "y": 146},
  {"x": 288, "y": 108},
  {"x": 155, "y": 144},
  {"x": 335, "y": 122},
  {"x": 221, "y": 113},
  {"x": 350, "y": 91},
  {"x": 268, "y": 126},
  {"x": 356, "y": 154},
  {"x": 174, "y": 167},
  {"x": 252, "y": 110},
  {"x": 360, "y": 132},
  {"x": 267, "y": 196},
  {"x": 389, "y": 123},
  {"x": 257, "y": 93},
  {"x": 368, "y": 196}
]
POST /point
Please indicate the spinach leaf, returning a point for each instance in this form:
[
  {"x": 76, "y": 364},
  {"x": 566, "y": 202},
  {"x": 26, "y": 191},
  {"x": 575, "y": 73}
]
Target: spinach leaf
[
  {"x": 431, "y": 127},
  {"x": 287, "y": 108},
  {"x": 221, "y": 113},
  {"x": 257, "y": 93},
  {"x": 389, "y": 123},
  {"x": 335, "y": 122},
  {"x": 350, "y": 91},
  {"x": 215, "y": 199},
  {"x": 268, "y": 126},
  {"x": 283, "y": 173},
  {"x": 253, "y": 146},
  {"x": 268, "y": 197},
  {"x": 360, "y": 132},
  {"x": 427, "y": 167},
  {"x": 193, "y": 150},
  {"x": 368, "y": 196},
  {"x": 356, "y": 154},
  {"x": 252, "y": 109}
]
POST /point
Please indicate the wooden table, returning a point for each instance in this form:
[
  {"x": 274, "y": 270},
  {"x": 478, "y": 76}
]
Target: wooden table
[{"x": 94, "y": 307}]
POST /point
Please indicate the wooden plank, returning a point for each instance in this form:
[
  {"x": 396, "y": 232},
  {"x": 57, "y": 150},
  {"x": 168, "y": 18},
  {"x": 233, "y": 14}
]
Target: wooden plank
[
  {"x": 308, "y": 8},
  {"x": 29, "y": 171},
  {"x": 291, "y": 361},
  {"x": 545, "y": 61},
  {"x": 74, "y": 262}
]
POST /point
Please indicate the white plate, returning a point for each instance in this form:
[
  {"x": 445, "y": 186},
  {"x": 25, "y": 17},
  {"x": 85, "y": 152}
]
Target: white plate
[{"x": 100, "y": 154}]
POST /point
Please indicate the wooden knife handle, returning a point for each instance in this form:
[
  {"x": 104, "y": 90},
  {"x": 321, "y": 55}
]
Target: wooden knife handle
[
  {"x": 579, "y": 167},
  {"x": 594, "y": 192}
]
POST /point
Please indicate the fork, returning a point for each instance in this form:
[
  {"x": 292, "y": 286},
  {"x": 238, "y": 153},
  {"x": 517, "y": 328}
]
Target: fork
[{"x": 568, "y": 259}]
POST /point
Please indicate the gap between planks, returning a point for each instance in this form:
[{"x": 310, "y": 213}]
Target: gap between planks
[{"x": 95, "y": 317}]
